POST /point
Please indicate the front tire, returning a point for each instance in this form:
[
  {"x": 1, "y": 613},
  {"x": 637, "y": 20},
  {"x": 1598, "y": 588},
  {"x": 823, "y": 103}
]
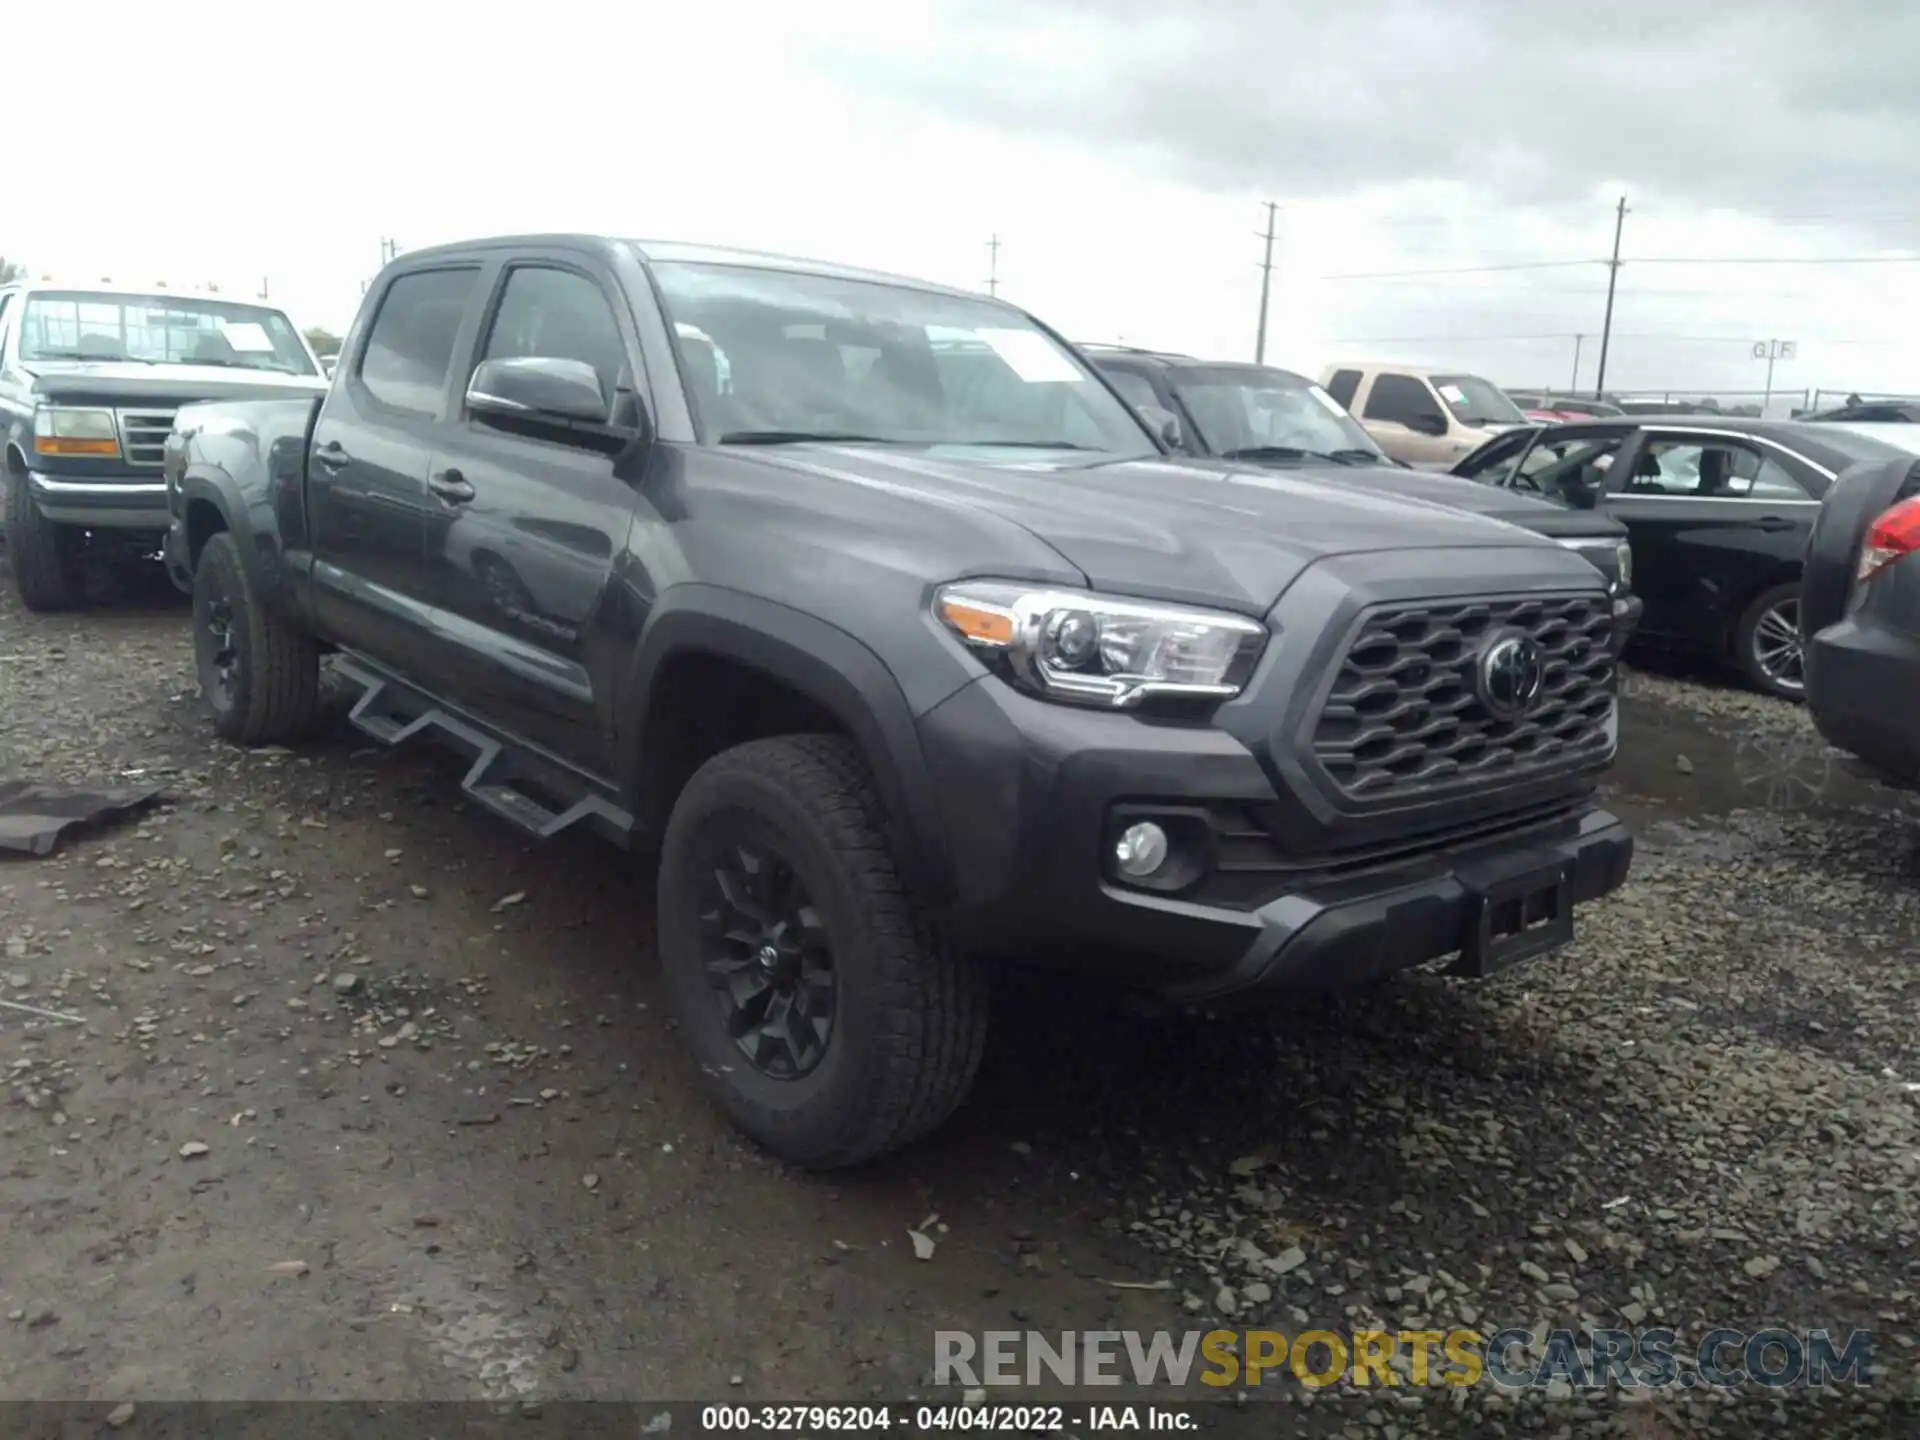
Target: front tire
[
  {"x": 259, "y": 676},
  {"x": 45, "y": 556},
  {"x": 1766, "y": 643},
  {"x": 829, "y": 1019}
]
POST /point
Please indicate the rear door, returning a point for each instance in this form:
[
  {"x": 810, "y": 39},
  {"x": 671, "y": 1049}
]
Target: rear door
[
  {"x": 1714, "y": 517},
  {"x": 367, "y": 467},
  {"x": 528, "y": 520}
]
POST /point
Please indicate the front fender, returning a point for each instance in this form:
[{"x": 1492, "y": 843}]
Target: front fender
[
  {"x": 240, "y": 467},
  {"x": 820, "y": 661}
]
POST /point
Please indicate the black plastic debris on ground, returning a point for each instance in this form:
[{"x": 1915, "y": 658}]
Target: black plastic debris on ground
[{"x": 34, "y": 817}]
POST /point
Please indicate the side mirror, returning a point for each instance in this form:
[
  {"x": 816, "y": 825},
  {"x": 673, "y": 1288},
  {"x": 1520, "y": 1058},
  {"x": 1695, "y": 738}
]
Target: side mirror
[
  {"x": 537, "y": 387},
  {"x": 1165, "y": 426},
  {"x": 1428, "y": 422}
]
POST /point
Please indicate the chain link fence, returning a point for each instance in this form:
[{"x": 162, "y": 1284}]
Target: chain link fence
[{"x": 1774, "y": 404}]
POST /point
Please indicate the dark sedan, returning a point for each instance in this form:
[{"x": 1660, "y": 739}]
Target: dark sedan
[
  {"x": 1861, "y": 618},
  {"x": 1719, "y": 512},
  {"x": 1259, "y": 415}
]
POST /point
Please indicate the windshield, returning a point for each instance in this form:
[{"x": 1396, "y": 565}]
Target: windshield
[
  {"x": 1474, "y": 401},
  {"x": 1238, "y": 408},
  {"x": 159, "y": 330},
  {"x": 773, "y": 356}
]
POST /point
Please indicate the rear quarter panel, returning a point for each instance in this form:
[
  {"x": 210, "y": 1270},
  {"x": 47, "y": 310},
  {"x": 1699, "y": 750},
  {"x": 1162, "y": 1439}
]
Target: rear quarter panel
[{"x": 240, "y": 466}]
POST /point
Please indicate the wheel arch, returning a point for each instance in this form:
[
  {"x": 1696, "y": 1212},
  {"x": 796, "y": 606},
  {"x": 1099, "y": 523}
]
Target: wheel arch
[{"x": 770, "y": 669}]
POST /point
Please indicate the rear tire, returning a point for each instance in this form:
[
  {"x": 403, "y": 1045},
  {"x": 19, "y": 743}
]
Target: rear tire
[
  {"x": 259, "y": 676},
  {"x": 1766, "y": 643},
  {"x": 44, "y": 555},
  {"x": 906, "y": 1021}
]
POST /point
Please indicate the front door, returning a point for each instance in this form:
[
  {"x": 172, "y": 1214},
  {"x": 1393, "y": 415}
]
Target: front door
[
  {"x": 529, "y": 522},
  {"x": 1408, "y": 421}
]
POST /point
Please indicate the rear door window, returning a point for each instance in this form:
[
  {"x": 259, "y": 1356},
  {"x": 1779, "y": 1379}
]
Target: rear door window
[
  {"x": 409, "y": 352},
  {"x": 1711, "y": 470},
  {"x": 1343, "y": 386}
]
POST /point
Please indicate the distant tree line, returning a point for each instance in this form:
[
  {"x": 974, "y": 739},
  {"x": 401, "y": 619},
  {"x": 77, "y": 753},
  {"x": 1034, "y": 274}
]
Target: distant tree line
[{"x": 324, "y": 342}]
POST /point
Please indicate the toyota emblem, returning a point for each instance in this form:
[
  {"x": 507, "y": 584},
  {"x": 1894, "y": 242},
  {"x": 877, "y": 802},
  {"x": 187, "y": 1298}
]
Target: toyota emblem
[{"x": 1511, "y": 676}]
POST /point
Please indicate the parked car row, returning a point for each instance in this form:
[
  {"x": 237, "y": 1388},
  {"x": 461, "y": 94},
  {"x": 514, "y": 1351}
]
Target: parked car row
[{"x": 907, "y": 635}]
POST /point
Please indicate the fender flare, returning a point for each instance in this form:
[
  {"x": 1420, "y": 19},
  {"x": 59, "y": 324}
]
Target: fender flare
[{"x": 820, "y": 661}]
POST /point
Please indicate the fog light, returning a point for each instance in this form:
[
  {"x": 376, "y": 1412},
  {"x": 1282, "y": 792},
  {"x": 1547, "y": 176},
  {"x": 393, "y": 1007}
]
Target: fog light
[{"x": 1141, "y": 850}]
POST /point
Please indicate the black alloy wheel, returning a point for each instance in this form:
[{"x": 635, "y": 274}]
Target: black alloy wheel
[
  {"x": 766, "y": 955},
  {"x": 216, "y": 647}
]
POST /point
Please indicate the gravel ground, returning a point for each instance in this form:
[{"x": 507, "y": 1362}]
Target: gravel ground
[{"x": 372, "y": 1100}]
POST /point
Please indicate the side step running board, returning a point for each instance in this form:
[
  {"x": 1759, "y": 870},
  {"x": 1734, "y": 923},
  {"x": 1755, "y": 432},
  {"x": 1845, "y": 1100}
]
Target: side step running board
[{"x": 531, "y": 791}]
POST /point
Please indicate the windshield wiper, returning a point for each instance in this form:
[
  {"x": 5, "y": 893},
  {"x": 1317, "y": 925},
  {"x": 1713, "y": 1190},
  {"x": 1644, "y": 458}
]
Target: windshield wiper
[
  {"x": 1352, "y": 456},
  {"x": 799, "y": 437},
  {"x": 74, "y": 355},
  {"x": 1023, "y": 444}
]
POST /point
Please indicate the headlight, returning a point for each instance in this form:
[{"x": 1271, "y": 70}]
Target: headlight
[
  {"x": 58, "y": 430},
  {"x": 1100, "y": 650},
  {"x": 1623, "y": 561}
]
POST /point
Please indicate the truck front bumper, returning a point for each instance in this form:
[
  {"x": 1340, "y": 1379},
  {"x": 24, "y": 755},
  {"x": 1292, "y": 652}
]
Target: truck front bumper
[
  {"x": 1034, "y": 797},
  {"x": 135, "y": 501}
]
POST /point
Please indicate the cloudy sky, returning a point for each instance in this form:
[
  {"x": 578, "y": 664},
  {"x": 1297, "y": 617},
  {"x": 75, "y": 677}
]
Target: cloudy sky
[{"x": 1121, "y": 151}]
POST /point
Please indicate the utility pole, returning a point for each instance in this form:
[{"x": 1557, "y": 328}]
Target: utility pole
[
  {"x": 263, "y": 287},
  {"x": 389, "y": 248},
  {"x": 1266, "y": 287},
  {"x": 1613, "y": 279},
  {"x": 1573, "y": 385},
  {"x": 993, "y": 266}
]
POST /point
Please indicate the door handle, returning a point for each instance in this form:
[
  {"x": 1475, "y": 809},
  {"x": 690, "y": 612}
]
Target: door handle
[
  {"x": 332, "y": 456},
  {"x": 1774, "y": 522},
  {"x": 451, "y": 486}
]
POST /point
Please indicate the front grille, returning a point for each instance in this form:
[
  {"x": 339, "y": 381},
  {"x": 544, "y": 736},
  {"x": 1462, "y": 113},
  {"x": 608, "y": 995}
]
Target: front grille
[
  {"x": 143, "y": 435},
  {"x": 1404, "y": 718}
]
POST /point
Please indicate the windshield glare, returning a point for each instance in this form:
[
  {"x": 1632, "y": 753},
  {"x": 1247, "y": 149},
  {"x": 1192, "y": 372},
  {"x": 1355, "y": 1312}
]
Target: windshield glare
[
  {"x": 159, "y": 330},
  {"x": 1236, "y": 409},
  {"x": 1474, "y": 401},
  {"x": 778, "y": 354}
]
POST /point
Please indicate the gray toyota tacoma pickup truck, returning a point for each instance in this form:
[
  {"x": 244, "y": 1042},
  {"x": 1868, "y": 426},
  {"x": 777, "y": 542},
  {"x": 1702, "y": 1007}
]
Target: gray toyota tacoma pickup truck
[{"x": 872, "y": 613}]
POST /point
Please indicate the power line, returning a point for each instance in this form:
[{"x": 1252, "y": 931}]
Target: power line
[
  {"x": 1463, "y": 270},
  {"x": 1777, "y": 260}
]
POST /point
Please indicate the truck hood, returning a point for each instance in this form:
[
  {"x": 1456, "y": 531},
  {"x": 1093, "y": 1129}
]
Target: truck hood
[
  {"x": 1202, "y": 532},
  {"x": 1543, "y": 517},
  {"x": 120, "y": 382}
]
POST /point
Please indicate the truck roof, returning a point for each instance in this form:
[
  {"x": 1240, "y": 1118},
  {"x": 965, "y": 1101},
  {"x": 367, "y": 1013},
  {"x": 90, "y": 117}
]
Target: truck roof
[
  {"x": 141, "y": 292},
  {"x": 649, "y": 251}
]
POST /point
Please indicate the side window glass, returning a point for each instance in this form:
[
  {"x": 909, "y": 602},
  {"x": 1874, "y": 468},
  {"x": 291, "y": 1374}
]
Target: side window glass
[
  {"x": 1401, "y": 399},
  {"x": 1496, "y": 466},
  {"x": 1136, "y": 390},
  {"x": 409, "y": 352},
  {"x": 1713, "y": 470},
  {"x": 1343, "y": 386},
  {"x": 557, "y": 315},
  {"x": 1562, "y": 466},
  {"x": 1754, "y": 476}
]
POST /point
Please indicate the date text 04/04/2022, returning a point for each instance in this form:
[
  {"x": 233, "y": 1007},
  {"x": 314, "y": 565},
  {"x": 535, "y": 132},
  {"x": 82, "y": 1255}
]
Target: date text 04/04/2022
[{"x": 1007, "y": 1419}]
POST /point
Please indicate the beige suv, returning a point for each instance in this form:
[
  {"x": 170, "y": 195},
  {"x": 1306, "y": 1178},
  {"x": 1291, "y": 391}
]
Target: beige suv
[{"x": 1426, "y": 417}]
